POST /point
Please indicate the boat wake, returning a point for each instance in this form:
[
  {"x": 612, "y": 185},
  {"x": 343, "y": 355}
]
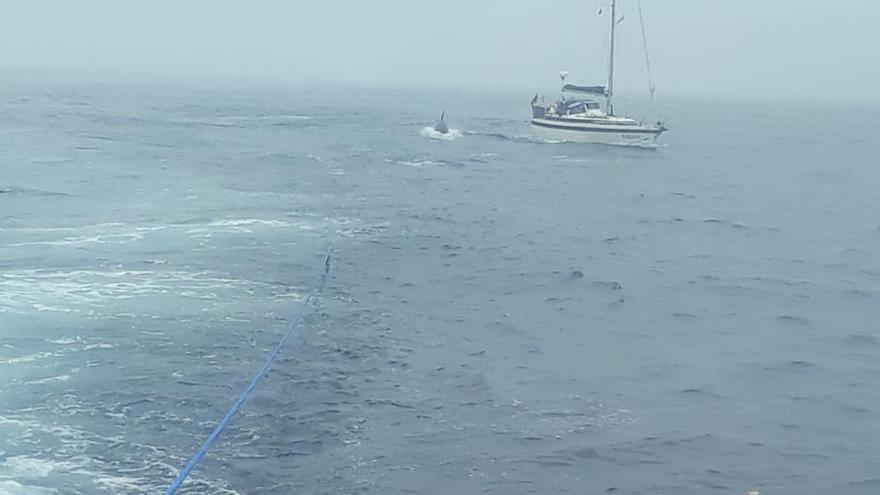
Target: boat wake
[
  {"x": 431, "y": 133},
  {"x": 516, "y": 138}
]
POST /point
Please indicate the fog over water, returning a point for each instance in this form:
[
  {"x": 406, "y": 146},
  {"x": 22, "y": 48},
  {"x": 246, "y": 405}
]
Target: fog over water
[
  {"x": 504, "y": 314},
  {"x": 770, "y": 49}
]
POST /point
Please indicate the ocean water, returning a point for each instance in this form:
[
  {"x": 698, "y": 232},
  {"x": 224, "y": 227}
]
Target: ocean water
[{"x": 503, "y": 315}]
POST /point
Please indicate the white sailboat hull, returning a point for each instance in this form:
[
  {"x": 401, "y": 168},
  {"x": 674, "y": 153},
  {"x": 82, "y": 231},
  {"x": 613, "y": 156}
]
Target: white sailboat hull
[{"x": 628, "y": 135}]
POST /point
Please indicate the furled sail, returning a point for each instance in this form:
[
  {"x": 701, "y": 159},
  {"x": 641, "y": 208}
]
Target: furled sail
[{"x": 590, "y": 90}]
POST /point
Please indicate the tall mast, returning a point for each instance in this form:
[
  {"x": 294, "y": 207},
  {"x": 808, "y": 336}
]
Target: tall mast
[{"x": 609, "y": 107}]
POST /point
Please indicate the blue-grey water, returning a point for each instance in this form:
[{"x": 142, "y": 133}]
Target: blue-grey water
[{"x": 503, "y": 315}]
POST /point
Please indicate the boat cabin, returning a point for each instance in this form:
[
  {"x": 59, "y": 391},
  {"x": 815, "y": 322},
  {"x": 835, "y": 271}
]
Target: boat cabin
[
  {"x": 577, "y": 106},
  {"x": 569, "y": 107}
]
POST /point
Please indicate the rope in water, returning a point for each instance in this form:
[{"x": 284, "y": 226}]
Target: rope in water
[{"x": 305, "y": 311}]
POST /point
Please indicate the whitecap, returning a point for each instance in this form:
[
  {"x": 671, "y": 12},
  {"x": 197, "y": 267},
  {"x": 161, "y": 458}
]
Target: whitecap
[
  {"x": 49, "y": 160},
  {"x": 28, "y": 358},
  {"x": 51, "y": 379},
  {"x": 54, "y": 309},
  {"x": 120, "y": 238},
  {"x": 416, "y": 163},
  {"x": 238, "y": 222},
  {"x": 100, "y": 345}
]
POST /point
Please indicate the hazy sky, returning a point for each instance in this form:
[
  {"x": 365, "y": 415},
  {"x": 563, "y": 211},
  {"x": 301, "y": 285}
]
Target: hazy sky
[{"x": 754, "y": 47}]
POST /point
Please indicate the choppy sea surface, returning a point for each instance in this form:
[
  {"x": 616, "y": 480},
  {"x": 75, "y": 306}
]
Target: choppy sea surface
[{"x": 503, "y": 315}]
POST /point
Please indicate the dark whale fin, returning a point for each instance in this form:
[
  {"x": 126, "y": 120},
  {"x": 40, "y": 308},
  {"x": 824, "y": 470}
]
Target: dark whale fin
[{"x": 440, "y": 126}]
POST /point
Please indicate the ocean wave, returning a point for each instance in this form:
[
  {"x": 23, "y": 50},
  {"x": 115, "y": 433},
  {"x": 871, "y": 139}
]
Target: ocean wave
[
  {"x": 26, "y": 191},
  {"x": 205, "y": 122},
  {"x": 146, "y": 471},
  {"x": 83, "y": 240},
  {"x": 238, "y": 222},
  {"x": 102, "y": 233},
  {"x": 32, "y": 467},
  {"x": 29, "y": 358},
  {"x": 280, "y": 116},
  {"x": 50, "y": 160},
  {"x": 85, "y": 291},
  {"x": 121, "y": 233},
  {"x": 10, "y": 487},
  {"x": 517, "y": 138},
  {"x": 415, "y": 163}
]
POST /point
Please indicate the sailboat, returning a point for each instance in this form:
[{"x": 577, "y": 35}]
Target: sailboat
[{"x": 579, "y": 117}]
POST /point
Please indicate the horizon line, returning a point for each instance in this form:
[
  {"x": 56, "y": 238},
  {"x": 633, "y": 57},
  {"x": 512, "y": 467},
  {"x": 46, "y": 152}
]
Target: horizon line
[{"x": 230, "y": 81}]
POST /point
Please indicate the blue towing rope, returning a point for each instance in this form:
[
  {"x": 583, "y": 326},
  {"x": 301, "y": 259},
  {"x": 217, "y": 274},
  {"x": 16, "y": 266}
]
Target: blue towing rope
[{"x": 305, "y": 311}]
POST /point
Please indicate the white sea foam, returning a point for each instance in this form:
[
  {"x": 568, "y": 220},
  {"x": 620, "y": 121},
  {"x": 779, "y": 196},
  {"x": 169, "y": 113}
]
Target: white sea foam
[
  {"x": 98, "y": 346},
  {"x": 86, "y": 291},
  {"x": 31, "y": 467},
  {"x": 83, "y": 240},
  {"x": 29, "y": 358},
  {"x": 50, "y": 159},
  {"x": 10, "y": 487},
  {"x": 431, "y": 133},
  {"x": 238, "y": 222},
  {"x": 535, "y": 139},
  {"x": 102, "y": 233},
  {"x": 258, "y": 118},
  {"x": 131, "y": 479},
  {"x": 414, "y": 163},
  {"x": 51, "y": 379}
]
